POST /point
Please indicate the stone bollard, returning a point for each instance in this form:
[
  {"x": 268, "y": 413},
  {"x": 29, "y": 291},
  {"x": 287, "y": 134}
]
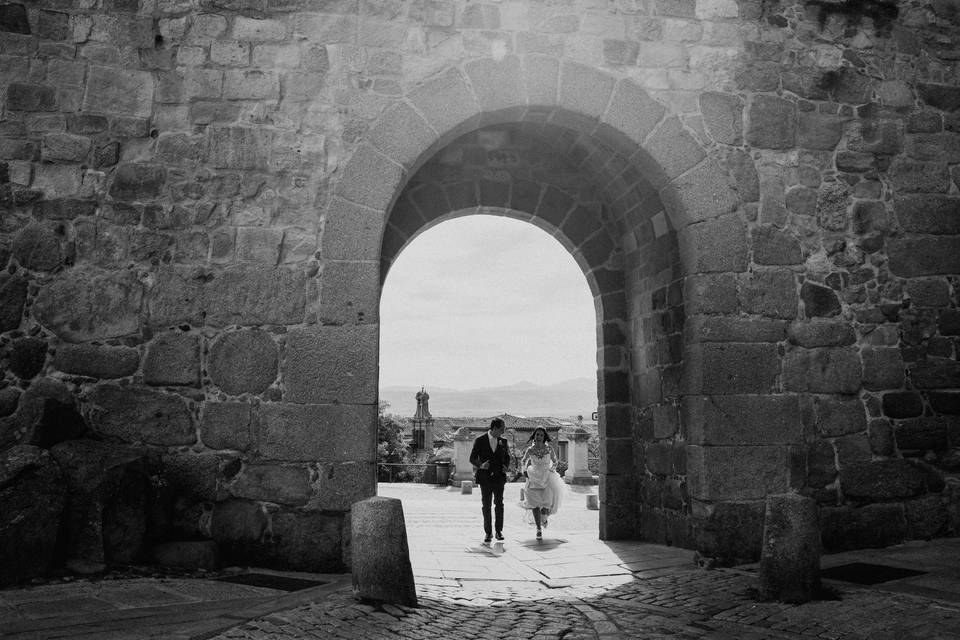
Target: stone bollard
[
  {"x": 790, "y": 556},
  {"x": 466, "y": 487},
  {"x": 381, "y": 557},
  {"x": 593, "y": 502}
]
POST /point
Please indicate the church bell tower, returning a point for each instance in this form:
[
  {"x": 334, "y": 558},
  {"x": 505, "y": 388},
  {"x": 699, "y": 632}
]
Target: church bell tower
[{"x": 422, "y": 424}]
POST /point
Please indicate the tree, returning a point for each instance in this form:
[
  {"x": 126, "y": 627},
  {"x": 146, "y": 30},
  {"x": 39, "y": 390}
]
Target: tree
[{"x": 390, "y": 445}]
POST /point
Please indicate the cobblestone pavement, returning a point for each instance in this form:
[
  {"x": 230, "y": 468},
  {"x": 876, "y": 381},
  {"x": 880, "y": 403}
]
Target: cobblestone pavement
[{"x": 575, "y": 587}]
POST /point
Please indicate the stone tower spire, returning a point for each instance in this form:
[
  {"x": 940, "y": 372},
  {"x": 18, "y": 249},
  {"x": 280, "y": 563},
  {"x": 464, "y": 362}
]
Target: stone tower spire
[{"x": 422, "y": 423}]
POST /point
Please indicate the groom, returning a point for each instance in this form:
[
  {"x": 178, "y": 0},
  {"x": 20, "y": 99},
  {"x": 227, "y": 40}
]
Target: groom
[{"x": 490, "y": 456}]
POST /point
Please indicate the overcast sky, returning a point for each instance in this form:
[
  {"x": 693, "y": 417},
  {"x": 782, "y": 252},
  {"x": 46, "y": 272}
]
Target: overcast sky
[{"x": 485, "y": 301}]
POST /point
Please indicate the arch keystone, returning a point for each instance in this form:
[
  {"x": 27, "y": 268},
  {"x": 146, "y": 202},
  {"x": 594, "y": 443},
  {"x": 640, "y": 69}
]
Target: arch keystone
[
  {"x": 497, "y": 84},
  {"x": 540, "y": 80}
]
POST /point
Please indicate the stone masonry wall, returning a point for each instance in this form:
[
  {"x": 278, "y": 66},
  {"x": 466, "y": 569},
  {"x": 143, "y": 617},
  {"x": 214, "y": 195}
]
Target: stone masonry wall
[{"x": 199, "y": 200}]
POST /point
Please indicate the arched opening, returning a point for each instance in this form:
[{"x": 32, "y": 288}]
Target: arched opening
[{"x": 610, "y": 219}]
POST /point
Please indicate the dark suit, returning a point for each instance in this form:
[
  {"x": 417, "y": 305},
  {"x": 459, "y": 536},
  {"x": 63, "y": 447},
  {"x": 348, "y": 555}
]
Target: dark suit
[{"x": 492, "y": 479}]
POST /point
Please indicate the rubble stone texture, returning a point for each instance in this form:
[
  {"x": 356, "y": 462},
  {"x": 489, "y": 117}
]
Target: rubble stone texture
[{"x": 199, "y": 203}]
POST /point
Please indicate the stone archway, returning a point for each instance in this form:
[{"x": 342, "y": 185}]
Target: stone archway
[{"x": 649, "y": 207}]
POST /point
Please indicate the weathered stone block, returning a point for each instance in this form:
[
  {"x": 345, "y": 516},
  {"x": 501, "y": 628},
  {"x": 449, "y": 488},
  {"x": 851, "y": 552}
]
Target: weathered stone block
[
  {"x": 911, "y": 176},
  {"x": 137, "y": 414},
  {"x": 818, "y": 131},
  {"x": 720, "y": 244},
  {"x": 272, "y": 483},
  {"x": 935, "y": 374},
  {"x": 873, "y": 525},
  {"x": 331, "y": 364},
  {"x": 243, "y": 362},
  {"x": 723, "y": 116},
  {"x": 737, "y": 472},
  {"x": 838, "y": 416},
  {"x": 941, "y": 96},
  {"x": 833, "y": 201},
  {"x": 924, "y": 434},
  {"x": 673, "y": 148},
  {"x": 14, "y": 19},
  {"x": 381, "y": 558},
  {"x": 26, "y": 357},
  {"x": 701, "y": 193},
  {"x": 819, "y": 301},
  {"x": 742, "y": 419},
  {"x": 912, "y": 256},
  {"x": 229, "y": 425},
  {"x": 38, "y": 247},
  {"x": 242, "y": 295},
  {"x": 945, "y": 402},
  {"x": 237, "y": 521},
  {"x": 308, "y": 540},
  {"x": 402, "y": 134},
  {"x": 933, "y": 214},
  {"x": 239, "y": 147},
  {"x": 854, "y": 161},
  {"x": 13, "y": 295},
  {"x": 173, "y": 359},
  {"x": 31, "y": 97},
  {"x": 370, "y": 179},
  {"x": 730, "y": 368},
  {"x": 32, "y": 493},
  {"x": 190, "y": 477},
  {"x": 250, "y": 84},
  {"x": 446, "y": 101},
  {"x": 81, "y": 305},
  {"x": 342, "y": 484},
  {"x": 790, "y": 556},
  {"x": 64, "y": 147},
  {"x": 744, "y": 172},
  {"x": 771, "y": 123},
  {"x": 902, "y": 404},
  {"x": 64, "y": 208},
  {"x": 772, "y": 246},
  {"x": 769, "y": 293},
  {"x": 926, "y": 517},
  {"x": 824, "y": 370},
  {"x": 496, "y": 82},
  {"x": 711, "y": 293},
  {"x": 584, "y": 90},
  {"x": 317, "y": 433},
  {"x": 881, "y": 480},
  {"x": 817, "y": 332},
  {"x": 350, "y": 292},
  {"x": 732, "y": 532},
  {"x": 120, "y": 91},
  {"x": 138, "y": 181}
]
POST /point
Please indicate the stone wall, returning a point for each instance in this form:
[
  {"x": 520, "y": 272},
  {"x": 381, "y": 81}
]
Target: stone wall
[{"x": 201, "y": 198}]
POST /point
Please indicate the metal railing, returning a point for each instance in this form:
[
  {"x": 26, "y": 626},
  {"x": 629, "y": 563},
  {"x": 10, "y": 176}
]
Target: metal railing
[{"x": 406, "y": 472}]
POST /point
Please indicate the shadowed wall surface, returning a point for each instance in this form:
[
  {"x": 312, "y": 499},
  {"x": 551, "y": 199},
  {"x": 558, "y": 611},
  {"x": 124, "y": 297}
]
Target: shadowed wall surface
[{"x": 200, "y": 201}]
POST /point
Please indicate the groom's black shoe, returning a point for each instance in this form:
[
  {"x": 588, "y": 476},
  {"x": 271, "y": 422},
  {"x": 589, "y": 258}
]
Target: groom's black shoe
[
  {"x": 499, "y": 536},
  {"x": 486, "y": 538}
]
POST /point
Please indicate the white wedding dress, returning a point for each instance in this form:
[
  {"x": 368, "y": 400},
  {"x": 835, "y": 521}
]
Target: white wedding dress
[{"x": 544, "y": 487}]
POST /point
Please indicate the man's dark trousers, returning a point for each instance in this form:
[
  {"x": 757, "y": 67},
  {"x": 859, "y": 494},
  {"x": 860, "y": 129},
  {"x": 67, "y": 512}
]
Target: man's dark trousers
[{"x": 492, "y": 491}]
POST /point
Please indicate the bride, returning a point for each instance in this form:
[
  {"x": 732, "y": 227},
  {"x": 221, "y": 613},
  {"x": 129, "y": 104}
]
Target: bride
[{"x": 543, "y": 492}]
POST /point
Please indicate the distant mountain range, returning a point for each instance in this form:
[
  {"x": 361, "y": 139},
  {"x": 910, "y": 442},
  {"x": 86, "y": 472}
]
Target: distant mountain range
[{"x": 563, "y": 399}]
